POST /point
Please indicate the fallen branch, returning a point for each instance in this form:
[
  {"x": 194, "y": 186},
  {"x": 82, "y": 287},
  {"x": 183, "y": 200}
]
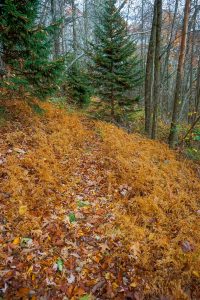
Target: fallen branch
[
  {"x": 73, "y": 62},
  {"x": 191, "y": 128}
]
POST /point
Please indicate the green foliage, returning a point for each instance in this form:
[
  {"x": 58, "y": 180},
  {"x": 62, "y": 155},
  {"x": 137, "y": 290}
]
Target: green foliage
[
  {"x": 196, "y": 135},
  {"x": 26, "y": 50},
  {"x": 58, "y": 101},
  {"x": 79, "y": 85},
  {"x": 59, "y": 264},
  {"x": 115, "y": 68},
  {"x": 2, "y": 115},
  {"x": 72, "y": 218},
  {"x": 85, "y": 297},
  {"x": 193, "y": 153},
  {"x": 37, "y": 109}
]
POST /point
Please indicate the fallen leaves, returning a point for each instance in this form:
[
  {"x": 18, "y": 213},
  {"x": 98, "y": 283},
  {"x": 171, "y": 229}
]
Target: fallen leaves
[
  {"x": 71, "y": 279},
  {"x": 20, "y": 151},
  {"x": 23, "y": 292},
  {"x": 23, "y": 210},
  {"x": 97, "y": 224},
  {"x": 16, "y": 241},
  {"x": 187, "y": 246}
]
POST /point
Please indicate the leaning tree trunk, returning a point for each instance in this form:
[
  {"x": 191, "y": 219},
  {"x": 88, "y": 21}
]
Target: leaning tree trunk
[
  {"x": 173, "y": 136},
  {"x": 157, "y": 69}
]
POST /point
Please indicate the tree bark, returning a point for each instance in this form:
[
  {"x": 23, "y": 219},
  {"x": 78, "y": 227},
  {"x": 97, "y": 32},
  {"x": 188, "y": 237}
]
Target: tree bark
[
  {"x": 197, "y": 96},
  {"x": 149, "y": 73},
  {"x": 86, "y": 4},
  {"x": 56, "y": 32},
  {"x": 74, "y": 45},
  {"x": 173, "y": 136},
  {"x": 157, "y": 68},
  {"x": 165, "y": 70}
]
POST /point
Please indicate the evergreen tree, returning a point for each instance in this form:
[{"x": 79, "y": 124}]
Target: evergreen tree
[
  {"x": 79, "y": 85},
  {"x": 115, "y": 67},
  {"x": 26, "y": 49}
]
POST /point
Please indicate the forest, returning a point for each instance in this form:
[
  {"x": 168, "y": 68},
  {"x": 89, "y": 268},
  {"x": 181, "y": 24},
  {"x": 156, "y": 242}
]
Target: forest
[{"x": 100, "y": 149}]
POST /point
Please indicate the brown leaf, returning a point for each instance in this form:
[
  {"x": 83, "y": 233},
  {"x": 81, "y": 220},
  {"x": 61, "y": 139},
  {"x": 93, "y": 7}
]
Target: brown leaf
[
  {"x": 187, "y": 246},
  {"x": 23, "y": 292},
  {"x": 99, "y": 285}
]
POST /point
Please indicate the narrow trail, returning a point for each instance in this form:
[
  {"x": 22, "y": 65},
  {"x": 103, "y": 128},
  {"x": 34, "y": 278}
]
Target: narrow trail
[
  {"x": 76, "y": 231},
  {"x": 98, "y": 268}
]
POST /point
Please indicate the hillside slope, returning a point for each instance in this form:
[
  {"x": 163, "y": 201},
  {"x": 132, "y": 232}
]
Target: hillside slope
[{"x": 90, "y": 212}]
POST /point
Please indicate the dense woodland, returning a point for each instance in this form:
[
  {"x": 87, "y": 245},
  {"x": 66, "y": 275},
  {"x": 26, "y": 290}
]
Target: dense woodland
[{"x": 100, "y": 149}]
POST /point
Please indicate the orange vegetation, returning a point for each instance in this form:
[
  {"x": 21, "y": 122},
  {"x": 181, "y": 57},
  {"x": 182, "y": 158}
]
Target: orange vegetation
[{"x": 91, "y": 212}]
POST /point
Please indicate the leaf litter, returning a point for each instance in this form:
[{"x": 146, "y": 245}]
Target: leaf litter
[{"x": 115, "y": 222}]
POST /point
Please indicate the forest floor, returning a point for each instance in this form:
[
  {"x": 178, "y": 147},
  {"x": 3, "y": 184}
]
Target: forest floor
[{"x": 91, "y": 212}]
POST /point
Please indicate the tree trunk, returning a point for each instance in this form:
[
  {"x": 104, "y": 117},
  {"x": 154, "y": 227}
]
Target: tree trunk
[
  {"x": 149, "y": 73},
  {"x": 74, "y": 27},
  {"x": 173, "y": 136},
  {"x": 190, "y": 58},
  {"x": 85, "y": 24},
  {"x": 166, "y": 108},
  {"x": 157, "y": 68},
  {"x": 56, "y": 32},
  {"x": 197, "y": 96}
]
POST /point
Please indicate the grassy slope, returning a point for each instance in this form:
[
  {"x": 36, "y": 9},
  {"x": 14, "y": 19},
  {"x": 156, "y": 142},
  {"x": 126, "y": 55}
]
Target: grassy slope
[{"x": 137, "y": 227}]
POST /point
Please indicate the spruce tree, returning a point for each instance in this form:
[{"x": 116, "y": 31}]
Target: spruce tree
[
  {"x": 26, "y": 49},
  {"x": 78, "y": 82},
  {"x": 115, "y": 67},
  {"x": 79, "y": 85}
]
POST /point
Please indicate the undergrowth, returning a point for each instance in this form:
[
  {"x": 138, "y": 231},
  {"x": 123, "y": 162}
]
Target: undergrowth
[{"x": 154, "y": 197}]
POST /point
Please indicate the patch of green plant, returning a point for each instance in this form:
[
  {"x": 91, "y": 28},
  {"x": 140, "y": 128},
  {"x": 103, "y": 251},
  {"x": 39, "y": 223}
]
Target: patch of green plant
[
  {"x": 196, "y": 135},
  {"x": 193, "y": 154},
  {"x": 37, "y": 109},
  {"x": 2, "y": 115},
  {"x": 72, "y": 218},
  {"x": 60, "y": 101},
  {"x": 85, "y": 297},
  {"x": 99, "y": 133},
  {"x": 60, "y": 264},
  {"x": 136, "y": 114}
]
